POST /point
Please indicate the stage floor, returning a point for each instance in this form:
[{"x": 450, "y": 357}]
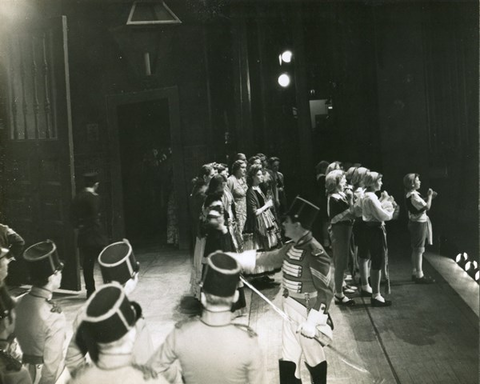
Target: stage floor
[{"x": 429, "y": 334}]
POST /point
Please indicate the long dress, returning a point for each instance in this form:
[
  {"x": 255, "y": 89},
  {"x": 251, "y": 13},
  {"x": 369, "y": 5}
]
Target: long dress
[
  {"x": 239, "y": 188},
  {"x": 231, "y": 219},
  {"x": 261, "y": 231},
  {"x": 197, "y": 199}
]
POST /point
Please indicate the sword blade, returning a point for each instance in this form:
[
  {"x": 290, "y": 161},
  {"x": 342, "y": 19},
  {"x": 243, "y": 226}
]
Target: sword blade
[{"x": 267, "y": 300}]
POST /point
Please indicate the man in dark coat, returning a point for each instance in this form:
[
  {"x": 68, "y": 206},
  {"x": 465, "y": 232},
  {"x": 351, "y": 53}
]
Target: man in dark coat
[{"x": 91, "y": 237}]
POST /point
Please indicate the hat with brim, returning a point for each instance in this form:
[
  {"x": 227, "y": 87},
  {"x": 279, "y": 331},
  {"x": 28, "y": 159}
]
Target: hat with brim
[
  {"x": 42, "y": 259},
  {"x": 222, "y": 274},
  {"x": 90, "y": 177},
  {"x": 109, "y": 314},
  {"x": 303, "y": 211},
  {"x": 117, "y": 262}
]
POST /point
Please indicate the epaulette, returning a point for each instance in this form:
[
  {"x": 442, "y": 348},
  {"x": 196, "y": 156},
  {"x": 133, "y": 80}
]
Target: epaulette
[
  {"x": 246, "y": 328},
  {"x": 181, "y": 323},
  {"x": 148, "y": 372},
  {"x": 55, "y": 307},
  {"x": 316, "y": 248},
  {"x": 10, "y": 363}
]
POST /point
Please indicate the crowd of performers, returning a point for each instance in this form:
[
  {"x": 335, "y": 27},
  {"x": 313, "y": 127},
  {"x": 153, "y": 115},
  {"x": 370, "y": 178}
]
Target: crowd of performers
[{"x": 244, "y": 227}]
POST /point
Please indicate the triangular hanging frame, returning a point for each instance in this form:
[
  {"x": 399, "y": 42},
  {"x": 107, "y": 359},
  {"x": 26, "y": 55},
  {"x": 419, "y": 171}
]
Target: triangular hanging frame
[{"x": 173, "y": 20}]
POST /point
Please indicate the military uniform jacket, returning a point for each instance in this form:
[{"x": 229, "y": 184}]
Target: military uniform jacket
[
  {"x": 211, "y": 354},
  {"x": 40, "y": 329},
  {"x": 306, "y": 268},
  {"x": 77, "y": 348},
  {"x": 116, "y": 369},
  {"x": 11, "y": 369},
  {"x": 86, "y": 217}
]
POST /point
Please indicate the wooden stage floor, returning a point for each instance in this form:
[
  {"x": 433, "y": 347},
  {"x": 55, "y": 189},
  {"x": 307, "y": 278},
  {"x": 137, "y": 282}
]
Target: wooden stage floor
[{"x": 429, "y": 335}]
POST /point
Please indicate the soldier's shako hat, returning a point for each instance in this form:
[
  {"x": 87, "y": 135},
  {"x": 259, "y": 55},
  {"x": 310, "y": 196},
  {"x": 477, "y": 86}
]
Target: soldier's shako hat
[
  {"x": 42, "y": 259},
  {"x": 7, "y": 303},
  {"x": 109, "y": 314},
  {"x": 3, "y": 252},
  {"x": 117, "y": 262},
  {"x": 222, "y": 275},
  {"x": 90, "y": 177},
  {"x": 303, "y": 211}
]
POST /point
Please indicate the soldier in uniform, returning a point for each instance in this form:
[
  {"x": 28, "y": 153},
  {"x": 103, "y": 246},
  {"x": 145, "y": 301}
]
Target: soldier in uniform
[
  {"x": 211, "y": 349},
  {"x": 109, "y": 327},
  {"x": 11, "y": 240},
  {"x": 13, "y": 243},
  {"x": 117, "y": 263},
  {"x": 308, "y": 293},
  {"x": 11, "y": 369},
  {"x": 41, "y": 325},
  {"x": 91, "y": 237}
]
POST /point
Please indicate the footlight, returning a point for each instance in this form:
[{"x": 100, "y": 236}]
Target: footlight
[
  {"x": 471, "y": 267},
  {"x": 461, "y": 260}
]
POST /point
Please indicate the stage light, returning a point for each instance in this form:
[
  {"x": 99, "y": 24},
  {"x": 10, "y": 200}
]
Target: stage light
[
  {"x": 468, "y": 266},
  {"x": 287, "y": 56},
  {"x": 461, "y": 260},
  {"x": 284, "y": 80},
  {"x": 471, "y": 267}
]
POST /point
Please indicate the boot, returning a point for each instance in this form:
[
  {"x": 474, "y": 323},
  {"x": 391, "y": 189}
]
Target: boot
[
  {"x": 287, "y": 372},
  {"x": 318, "y": 373}
]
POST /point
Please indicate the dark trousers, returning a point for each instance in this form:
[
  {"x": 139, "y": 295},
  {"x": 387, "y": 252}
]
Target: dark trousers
[{"x": 89, "y": 255}]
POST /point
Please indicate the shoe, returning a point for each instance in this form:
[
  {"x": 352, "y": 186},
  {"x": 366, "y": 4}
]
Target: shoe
[
  {"x": 344, "y": 301},
  {"x": 364, "y": 293},
  {"x": 349, "y": 289},
  {"x": 424, "y": 280},
  {"x": 378, "y": 303}
]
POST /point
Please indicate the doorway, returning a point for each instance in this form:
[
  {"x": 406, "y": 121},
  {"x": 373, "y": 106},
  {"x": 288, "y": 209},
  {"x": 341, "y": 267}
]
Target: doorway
[
  {"x": 147, "y": 173},
  {"x": 148, "y": 185}
]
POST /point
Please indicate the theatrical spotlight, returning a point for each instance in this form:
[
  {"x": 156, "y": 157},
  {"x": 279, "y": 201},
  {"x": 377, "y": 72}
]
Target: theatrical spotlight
[
  {"x": 461, "y": 260},
  {"x": 287, "y": 56},
  {"x": 284, "y": 80}
]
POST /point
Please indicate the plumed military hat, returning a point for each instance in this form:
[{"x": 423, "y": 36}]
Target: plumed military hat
[
  {"x": 117, "y": 262},
  {"x": 303, "y": 211},
  {"x": 109, "y": 314},
  {"x": 222, "y": 275},
  {"x": 42, "y": 259},
  {"x": 7, "y": 303}
]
